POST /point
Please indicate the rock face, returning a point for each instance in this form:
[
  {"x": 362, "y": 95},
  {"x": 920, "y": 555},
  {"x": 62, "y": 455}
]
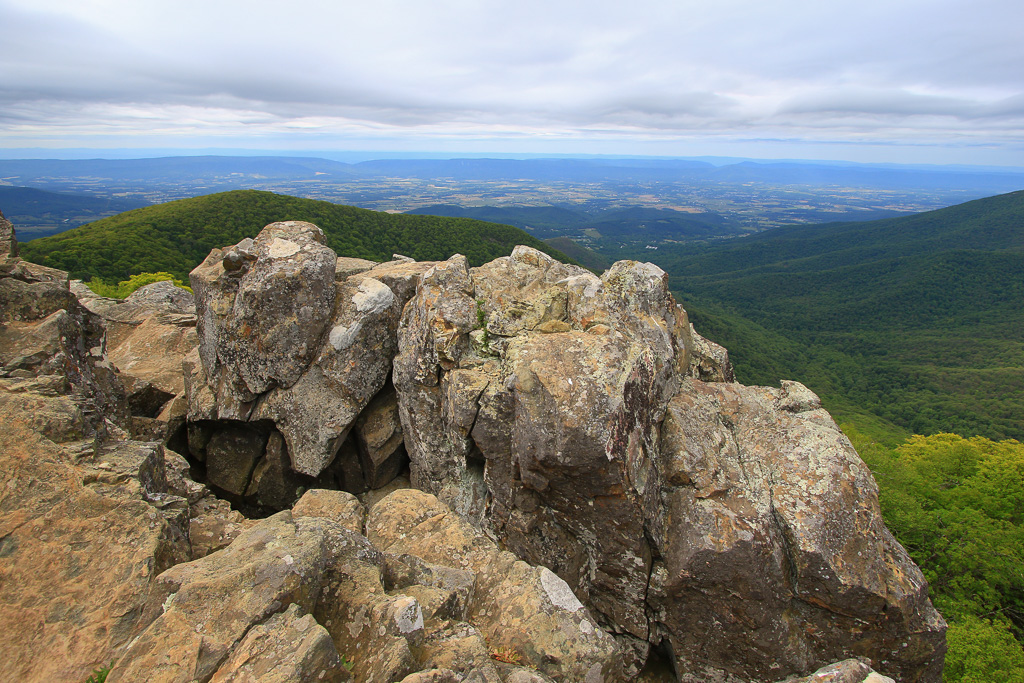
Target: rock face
[
  {"x": 561, "y": 410},
  {"x": 148, "y": 335},
  {"x": 297, "y": 343},
  {"x": 592, "y": 490}
]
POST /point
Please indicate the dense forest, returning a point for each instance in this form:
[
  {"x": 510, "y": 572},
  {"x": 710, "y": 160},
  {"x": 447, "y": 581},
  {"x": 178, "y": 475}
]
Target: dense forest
[
  {"x": 957, "y": 505},
  {"x": 175, "y": 237},
  {"x": 915, "y": 322}
]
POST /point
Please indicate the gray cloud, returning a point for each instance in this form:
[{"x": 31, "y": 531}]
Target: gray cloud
[{"x": 897, "y": 71}]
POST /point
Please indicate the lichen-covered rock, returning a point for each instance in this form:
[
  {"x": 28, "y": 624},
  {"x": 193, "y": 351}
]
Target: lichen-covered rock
[
  {"x": 533, "y": 398},
  {"x": 207, "y": 606},
  {"x": 549, "y": 383},
  {"x": 774, "y": 545},
  {"x": 338, "y": 506},
  {"x": 45, "y": 332},
  {"x": 290, "y": 647},
  {"x": 8, "y": 238},
  {"x": 846, "y": 671},
  {"x": 291, "y": 336},
  {"x": 513, "y": 605}
]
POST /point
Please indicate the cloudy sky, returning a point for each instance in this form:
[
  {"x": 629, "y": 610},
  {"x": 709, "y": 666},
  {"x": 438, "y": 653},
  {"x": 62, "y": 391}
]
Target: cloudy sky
[{"x": 934, "y": 81}]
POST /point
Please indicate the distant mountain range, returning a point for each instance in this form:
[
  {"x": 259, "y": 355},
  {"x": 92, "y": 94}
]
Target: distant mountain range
[
  {"x": 176, "y": 236},
  {"x": 39, "y": 172}
]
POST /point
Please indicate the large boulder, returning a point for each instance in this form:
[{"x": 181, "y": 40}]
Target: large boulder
[
  {"x": 85, "y": 529},
  {"x": 533, "y": 398},
  {"x": 294, "y": 341},
  {"x": 773, "y": 545},
  {"x": 535, "y": 389}
]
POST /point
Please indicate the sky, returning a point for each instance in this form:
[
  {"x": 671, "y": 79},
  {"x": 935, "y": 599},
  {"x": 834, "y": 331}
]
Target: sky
[{"x": 914, "y": 81}]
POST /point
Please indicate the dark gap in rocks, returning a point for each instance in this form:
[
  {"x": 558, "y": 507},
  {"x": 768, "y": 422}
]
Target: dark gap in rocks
[
  {"x": 660, "y": 666},
  {"x": 146, "y": 400}
]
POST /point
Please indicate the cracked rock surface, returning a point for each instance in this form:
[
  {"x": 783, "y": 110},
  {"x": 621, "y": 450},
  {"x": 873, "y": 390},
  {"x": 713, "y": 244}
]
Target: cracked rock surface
[{"x": 592, "y": 491}]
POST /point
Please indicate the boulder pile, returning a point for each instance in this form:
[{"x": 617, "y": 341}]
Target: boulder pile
[{"x": 558, "y": 479}]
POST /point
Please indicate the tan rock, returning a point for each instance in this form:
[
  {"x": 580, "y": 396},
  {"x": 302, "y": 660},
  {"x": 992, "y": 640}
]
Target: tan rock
[
  {"x": 80, "y": 549},
  {"x": 514, "y": 605},
  {"x": 290, "y": 647},
  {"x": 338, "y": 506},
  {"x": 207, "y": 606}
]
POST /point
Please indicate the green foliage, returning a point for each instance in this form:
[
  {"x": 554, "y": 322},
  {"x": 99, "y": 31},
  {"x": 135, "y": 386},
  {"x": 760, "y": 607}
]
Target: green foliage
[
  {"x": 957, "y": 506},
  {"x": 100, "y": 675},
  {"x": 175, "y": 237},
  {"x": 915, "y": 321},
  {"x": 126, "y": 287},
  {"x": 982, "y": 651}
]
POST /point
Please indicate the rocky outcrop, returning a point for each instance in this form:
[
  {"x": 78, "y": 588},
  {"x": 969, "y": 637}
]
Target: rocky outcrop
[
  {"x": 302, "y": 595},
  {"x": 295, "y": 348},
  {"x": 8, "y": 239},
  {"x": 773, "y": 542},
  {"x": 148, "y": 335},
  {"x": 592, "y": 490},
  {"x": 87, "y": 519}
]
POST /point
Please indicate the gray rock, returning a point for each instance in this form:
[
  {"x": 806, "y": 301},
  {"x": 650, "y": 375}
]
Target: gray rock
[
  {"x": 776, "y": 540},
  {"x": 8, "y": 238}
]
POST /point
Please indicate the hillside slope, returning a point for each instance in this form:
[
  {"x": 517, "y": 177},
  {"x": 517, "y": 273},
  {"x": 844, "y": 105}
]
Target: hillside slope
[
  {"x": 917, "y": 320},
  {"x": 177, "y": 236}
]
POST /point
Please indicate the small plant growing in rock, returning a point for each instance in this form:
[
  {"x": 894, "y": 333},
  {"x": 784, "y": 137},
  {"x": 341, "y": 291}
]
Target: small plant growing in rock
[
  {"x": 507, "y": 655},
  {"x": 347, "y": 663},
  {"x": 100, "y": 675},
  {"x": 481, "y": 322}
]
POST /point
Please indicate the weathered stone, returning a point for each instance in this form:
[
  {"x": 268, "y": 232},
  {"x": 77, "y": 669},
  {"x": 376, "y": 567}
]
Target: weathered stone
[
  {"x": 273, "y": 483},
  {"x": 380, "y": 438},
  {"x": 514, "y": 605},
  {"x": 289, "y": 648},
  {"x": 45, "y": 332},
  {"x": 450, "y": 589},
  {"x": 8, "y": 238},
  {"x": 338, "y": 506},
  {"x": 80, "y": 546},
  {"x": 462, "y": 649},
  {"x": 313, "y": 351},
  {"x": 346, "y": 266},
  {"x": 371, "y": 629},
  {"x": 433, "y": 676},
  {"x": 207, "y": 606},
  {"x": 231, "y": 456},
  {"x": 316, "y": 413},
  {"x": 213, "y": 525},
  {"x": 846, "y": 671},
  {"x": 709, "y": 362},
  {"x": 154, "y": 349},
  {"x": 776, "y": 546},
  {"x": 260, "y": 327},
  {"x": 402, "y": 277}
]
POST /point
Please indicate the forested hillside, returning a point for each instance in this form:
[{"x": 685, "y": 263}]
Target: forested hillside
[
  {"x": 915, "y": 320},
  {"x": 176, "y": 236}
]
